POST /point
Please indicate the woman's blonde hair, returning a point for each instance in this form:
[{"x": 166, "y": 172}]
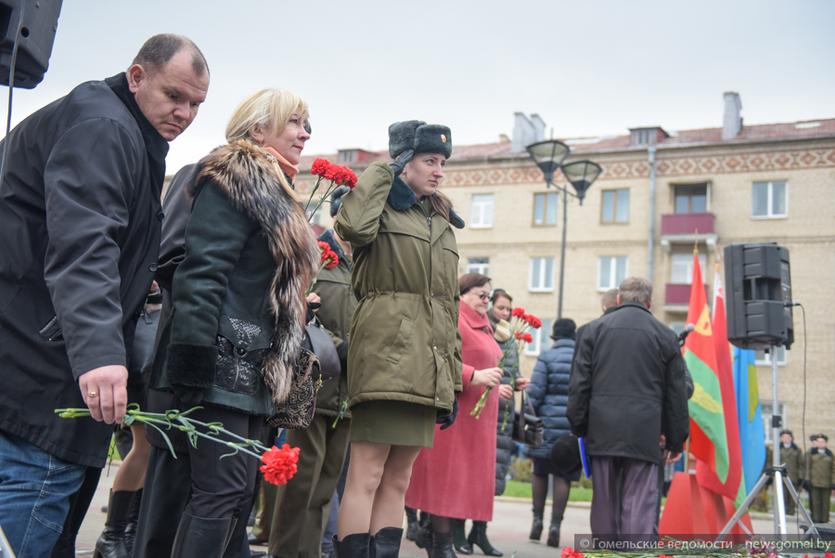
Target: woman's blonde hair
[{"x": 269, "y": 108}]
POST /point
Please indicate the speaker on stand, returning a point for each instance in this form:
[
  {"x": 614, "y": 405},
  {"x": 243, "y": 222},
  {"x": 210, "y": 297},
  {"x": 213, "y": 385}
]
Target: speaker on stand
[{"x": 759, "y": 313}]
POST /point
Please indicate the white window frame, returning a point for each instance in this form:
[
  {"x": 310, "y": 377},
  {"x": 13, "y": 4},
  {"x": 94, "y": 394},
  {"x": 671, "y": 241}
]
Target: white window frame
[
  {"x": 546, "y": 196},
  {"x": 483, "y": 207},
  {"x": 541, "y": 338},
  {"x": 762, "y": 359},
  {"x": 769, "y": 211},
  {"x": 481, "y": 267},
  {"x": 674, "y": 258},
  {"x": 543, "y": 280},
  {"x": 615, "y": 192},
  {"x": 612, "y": 271}
]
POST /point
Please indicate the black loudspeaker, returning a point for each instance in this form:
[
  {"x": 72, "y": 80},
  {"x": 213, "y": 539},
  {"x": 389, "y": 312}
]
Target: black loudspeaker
[
  {"x": 39, "y": 20},
  {"x": 758, "y": 296}
]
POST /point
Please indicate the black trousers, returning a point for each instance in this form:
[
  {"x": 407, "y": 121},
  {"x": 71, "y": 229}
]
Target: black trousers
[{"x": 199, "y": 482}]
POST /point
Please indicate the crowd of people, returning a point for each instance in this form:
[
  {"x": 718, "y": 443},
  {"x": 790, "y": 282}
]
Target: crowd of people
[{"x": 211, "y": 297}]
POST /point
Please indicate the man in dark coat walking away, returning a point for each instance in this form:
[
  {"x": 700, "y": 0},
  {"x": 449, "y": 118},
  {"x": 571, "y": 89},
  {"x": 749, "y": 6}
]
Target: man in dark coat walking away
[
  {"x": 79, "y": 236},
  {"x": 627, "y": 390}
]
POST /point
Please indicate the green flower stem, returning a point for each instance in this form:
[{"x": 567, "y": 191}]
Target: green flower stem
[
  {"x": 321, "y": 200},
  {"x": 313, "y": 193},
  {"x": 180, "y": 420}
]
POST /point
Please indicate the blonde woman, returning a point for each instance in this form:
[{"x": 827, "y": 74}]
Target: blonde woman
[{"x": 238, "y": 310}]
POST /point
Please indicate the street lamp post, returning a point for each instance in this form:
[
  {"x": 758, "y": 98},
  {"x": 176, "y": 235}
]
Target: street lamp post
[{"x": 549, "y": 156}]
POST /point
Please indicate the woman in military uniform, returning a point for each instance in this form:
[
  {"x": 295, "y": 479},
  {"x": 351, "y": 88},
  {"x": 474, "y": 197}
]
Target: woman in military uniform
[{"x": 404, "y": 363}]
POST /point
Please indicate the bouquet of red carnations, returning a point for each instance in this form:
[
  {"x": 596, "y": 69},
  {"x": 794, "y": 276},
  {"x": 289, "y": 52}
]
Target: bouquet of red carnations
[
  {"x": 278, "y": 464},
  {"x": 333, "y": 176},
  {"x": 521, "y": 324}
]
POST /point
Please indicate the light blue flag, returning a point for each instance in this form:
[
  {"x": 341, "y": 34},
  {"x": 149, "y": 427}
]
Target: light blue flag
[{"x": 749, "y": 411}]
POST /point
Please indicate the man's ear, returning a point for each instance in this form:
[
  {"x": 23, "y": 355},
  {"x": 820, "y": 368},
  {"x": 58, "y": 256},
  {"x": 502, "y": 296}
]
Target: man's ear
[
  {"x": 136, "y": 74},
  {"x": 617, "y": 299}
]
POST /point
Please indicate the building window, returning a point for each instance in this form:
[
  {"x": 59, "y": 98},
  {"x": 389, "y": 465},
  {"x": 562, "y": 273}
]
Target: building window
[
  {"x": 615, "y": 206},
  {"x": 541, "y": 276},
  {"x": 690, "y": 198},
  {"x": 481, "y": 211},
  {"x": 681, "y": 272},
  {"x": 611, "y": 270},
  {"x": 347, "y": 155},
  {"x": 478, "y": 265},
  {"x": 545, "y": 209},
  {"x": 541, "y": 339},
  {"x": 764, "y": 359},
  {"x": 769, "y": 199}
]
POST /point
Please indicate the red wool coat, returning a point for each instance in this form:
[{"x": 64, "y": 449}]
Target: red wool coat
[{"x": 457, "y": 477}]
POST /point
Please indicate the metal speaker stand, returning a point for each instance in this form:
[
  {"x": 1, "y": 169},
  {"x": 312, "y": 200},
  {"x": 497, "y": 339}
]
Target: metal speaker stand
[{"x": 776, "y": 473}]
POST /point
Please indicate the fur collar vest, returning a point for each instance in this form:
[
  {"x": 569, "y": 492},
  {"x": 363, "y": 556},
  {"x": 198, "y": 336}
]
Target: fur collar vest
[
  {"x": 248, "y": 176},
  {"x": 401, "y": 198}
]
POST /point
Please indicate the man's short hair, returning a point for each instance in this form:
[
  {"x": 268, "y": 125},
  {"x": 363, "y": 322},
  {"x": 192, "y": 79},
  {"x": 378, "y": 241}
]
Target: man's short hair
[
  {"x": 159, "y": 49},
  {"x": 609, "y": 299},
  {"x": 635, "y": 289}
]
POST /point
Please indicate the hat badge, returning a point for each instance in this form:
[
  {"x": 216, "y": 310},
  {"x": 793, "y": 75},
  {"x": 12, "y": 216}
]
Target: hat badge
[{"x": 443, "y": 138}]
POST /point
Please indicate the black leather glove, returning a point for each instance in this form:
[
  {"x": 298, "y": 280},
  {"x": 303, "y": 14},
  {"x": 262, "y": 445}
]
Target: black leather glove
[
  {"x": 187, "y": 397},
  {"x": 398, "y": 163},
  {"x": 447, "y": 420}
]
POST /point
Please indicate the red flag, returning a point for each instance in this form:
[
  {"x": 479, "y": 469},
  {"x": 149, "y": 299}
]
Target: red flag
[{"x": 708, "y": 406}]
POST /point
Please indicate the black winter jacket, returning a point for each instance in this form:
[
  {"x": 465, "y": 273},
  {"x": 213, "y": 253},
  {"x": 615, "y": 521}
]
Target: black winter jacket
[
  {"x": 79, "y": 236},
  {"x": 628, "y": 386},
  {"x": 548, "y": 393}
]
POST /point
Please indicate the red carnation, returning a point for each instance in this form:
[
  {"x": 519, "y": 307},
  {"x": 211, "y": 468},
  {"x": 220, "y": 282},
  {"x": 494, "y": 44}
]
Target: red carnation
[
  {"x": 528, "y": 338},
  {"x": 279, "y": 464},
  {"x": 518, "y": 312},
  {"x": 330, "y": 259},
  {"x": 350, "y": 178},
  {"x": 320, "y": 167},
  {"x": 323, "y": 246},
  {"x": 533, "y": 321},
  {"x": 519, "y": 335},
  {"x": 569, "y": 552}
]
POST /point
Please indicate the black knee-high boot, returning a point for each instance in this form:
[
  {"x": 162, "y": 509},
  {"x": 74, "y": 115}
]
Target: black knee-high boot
[
  {"x": 442, "y": 546},
  {"x": 111, "y": 542},
  {"x": 386, "y": 542},
  {"x": 357, "y": 545}
]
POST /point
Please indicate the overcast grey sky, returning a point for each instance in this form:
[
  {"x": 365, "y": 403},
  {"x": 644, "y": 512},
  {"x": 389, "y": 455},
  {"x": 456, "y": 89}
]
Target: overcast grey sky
[{"x": 588, "y": 67}]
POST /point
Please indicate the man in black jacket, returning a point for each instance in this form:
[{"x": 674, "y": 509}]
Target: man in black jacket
[
  {"x": 627, "y": 389},
  {"x": 79, "y": 236}
]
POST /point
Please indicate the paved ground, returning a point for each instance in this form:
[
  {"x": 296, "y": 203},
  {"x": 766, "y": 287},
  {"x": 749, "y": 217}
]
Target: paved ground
[{"x": 508, "y": 532}]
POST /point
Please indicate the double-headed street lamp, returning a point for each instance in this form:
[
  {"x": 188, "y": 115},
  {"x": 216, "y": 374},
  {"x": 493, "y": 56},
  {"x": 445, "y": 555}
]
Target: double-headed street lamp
[{"x": 549, "y": 156}]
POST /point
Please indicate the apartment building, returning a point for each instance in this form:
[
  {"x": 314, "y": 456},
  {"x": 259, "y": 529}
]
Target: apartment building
[{"x": 661, "y": 193}]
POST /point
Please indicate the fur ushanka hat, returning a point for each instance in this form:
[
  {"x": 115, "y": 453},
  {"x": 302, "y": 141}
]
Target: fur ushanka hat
[{"x": 419, "y": 136}]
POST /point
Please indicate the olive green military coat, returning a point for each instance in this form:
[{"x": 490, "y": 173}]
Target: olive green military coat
[
  {"x": 338, "y": 305},
  {"x": 404, "y": 335}
]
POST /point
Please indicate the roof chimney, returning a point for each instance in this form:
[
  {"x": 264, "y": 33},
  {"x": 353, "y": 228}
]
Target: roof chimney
[
  {"x": 732, "y": 120},
  {"x": 524, "y": 132},
  {"x": 539, "y": 127}
]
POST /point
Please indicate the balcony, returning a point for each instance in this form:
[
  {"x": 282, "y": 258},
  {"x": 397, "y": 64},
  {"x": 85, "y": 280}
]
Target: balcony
[
  {"x": 677, "y": 296},
  {"x": 687, "y": 228}
]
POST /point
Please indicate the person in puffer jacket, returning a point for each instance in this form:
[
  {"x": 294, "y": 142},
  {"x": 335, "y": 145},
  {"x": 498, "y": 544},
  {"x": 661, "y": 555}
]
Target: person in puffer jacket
[{"x": 548, "y": 393}]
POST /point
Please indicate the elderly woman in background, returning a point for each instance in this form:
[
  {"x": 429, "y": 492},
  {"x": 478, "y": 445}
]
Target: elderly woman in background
[
  {"x": 232, "y": 335},
  {"x": 456, "y": 478}
]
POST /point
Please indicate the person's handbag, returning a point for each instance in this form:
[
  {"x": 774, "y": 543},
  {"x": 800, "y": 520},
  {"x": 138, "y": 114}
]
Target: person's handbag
[
  {"x": 527, "y": 427},
  {"x": 565, "y": 455},
  {"x": 317, "y": 360}
]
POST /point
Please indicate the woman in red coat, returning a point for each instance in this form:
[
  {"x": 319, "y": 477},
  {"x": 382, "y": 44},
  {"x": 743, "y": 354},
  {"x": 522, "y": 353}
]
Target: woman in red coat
[{"x": 456, "y": 478}]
